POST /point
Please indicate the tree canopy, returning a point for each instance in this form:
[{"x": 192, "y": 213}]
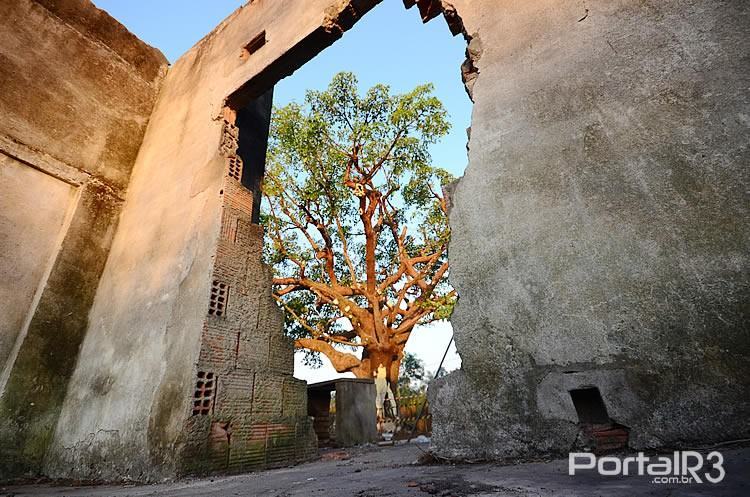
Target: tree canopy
[{"x": 356, "y": 221}]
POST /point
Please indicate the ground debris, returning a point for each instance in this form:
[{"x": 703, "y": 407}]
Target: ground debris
[
  {"x": 456, "y": 487},
  {"x": 373, "y": 492},
  {"x": 335, "y": 455}
]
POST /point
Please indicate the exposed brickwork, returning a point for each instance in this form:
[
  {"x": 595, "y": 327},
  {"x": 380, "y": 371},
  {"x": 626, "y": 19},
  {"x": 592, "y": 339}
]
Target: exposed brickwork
[
  {"x": 205, "y": 390},
  {"x": 295, "y": 397},
  {"x": 258, "y": 414}
]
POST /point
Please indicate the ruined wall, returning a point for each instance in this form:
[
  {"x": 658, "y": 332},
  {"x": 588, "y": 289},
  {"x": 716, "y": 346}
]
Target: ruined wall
[
  {"x": 248, "y": 411},
  {"x": 356, "y": 420},
  {"x": 29, "y": 242},
  {"x": 600, "y": 233},
  {"x": 129, "y": 408},
  {"x": 76, "y": 92}
]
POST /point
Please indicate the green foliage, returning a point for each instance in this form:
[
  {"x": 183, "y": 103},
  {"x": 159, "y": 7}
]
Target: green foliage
[
  {"x": 411, "y": 374},
  {"x": 325, "y": 158}
]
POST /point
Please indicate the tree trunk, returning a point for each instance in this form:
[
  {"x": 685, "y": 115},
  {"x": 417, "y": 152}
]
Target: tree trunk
[{"x": 389, "y": 356}]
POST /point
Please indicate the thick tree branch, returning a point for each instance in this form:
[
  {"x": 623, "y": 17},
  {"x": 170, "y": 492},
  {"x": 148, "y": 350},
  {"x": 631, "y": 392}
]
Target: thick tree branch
[{"x": 343, "y": 362}]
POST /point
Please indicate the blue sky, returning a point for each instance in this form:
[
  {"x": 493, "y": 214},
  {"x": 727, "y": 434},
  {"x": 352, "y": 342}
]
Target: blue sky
[{"x": 389, "y": 45}]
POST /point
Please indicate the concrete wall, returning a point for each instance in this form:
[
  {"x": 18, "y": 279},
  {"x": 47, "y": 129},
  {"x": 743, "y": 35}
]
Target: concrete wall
[
  {"x": 131, "y": 396},
  {"x": 356, "y": 421},
  {"x": 600, "y": 233},
  {"x": 30, "y": 237},
  {"x": 76, "y": 92},
  {"x": 76, "y": 85}
]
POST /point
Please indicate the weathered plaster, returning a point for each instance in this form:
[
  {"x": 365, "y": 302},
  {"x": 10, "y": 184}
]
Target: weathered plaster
[
  {"x": 600, "y": 233},
  {"x": 145, "y": 334},
  {"x": 76, "y": 92},
  {"x": 30, "y": 236},
  {"x": 68, "y": 92},
  {"x": 607, "y": 199}
]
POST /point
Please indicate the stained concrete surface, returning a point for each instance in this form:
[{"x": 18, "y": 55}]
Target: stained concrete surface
[
  {"x": 147, "y": 321},
  {"x": 600, "y": 233},
  {"x": 76, "y": 94},
  {"x": 393, "y": 472},
  {"x": 599, "y": 236},
  {"x": 29, "y": 237}
]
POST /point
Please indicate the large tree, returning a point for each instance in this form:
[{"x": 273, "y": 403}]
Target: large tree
[{"x": 356, "y": 222}]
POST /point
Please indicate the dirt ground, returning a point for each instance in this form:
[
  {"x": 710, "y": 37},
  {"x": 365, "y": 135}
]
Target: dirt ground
[{"x": 394, "y": 472}]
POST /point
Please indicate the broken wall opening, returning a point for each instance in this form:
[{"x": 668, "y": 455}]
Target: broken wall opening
[
  {"x": 598, "y": 430},
  {"x": 244, "y": 103},
  {"x": 253, "y": 121},
  {"x": 589, "y": 406}
]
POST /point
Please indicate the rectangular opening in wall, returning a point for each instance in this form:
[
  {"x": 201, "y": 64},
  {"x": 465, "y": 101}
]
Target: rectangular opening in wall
[
  {"x": 600, "y": 433},
  {"x": 217, "y": 305},
  {"x": 254, "y": 45},
  {"x": 234, "y": 168},
  {"x": 203, "y": 398},
  {"x": 253, "y": 123},
  {"x": 319, "y": 408},
  {"x": 589, "y": 406}
]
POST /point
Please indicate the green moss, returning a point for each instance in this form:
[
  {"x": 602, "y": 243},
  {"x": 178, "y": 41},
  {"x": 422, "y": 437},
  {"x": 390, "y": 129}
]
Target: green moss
[{"x": 39, "y": 380}]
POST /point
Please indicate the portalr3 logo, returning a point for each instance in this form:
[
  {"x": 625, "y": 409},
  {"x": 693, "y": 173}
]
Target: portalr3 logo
[{"x": 683, "y": 467}]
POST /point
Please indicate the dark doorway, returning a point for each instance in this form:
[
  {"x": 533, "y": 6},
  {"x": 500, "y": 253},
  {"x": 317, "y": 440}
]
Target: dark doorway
[
  {"x": 589, "y": 406},
  {"x": 598, "y": 431},
  {"x": 253, "y": 122}
]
